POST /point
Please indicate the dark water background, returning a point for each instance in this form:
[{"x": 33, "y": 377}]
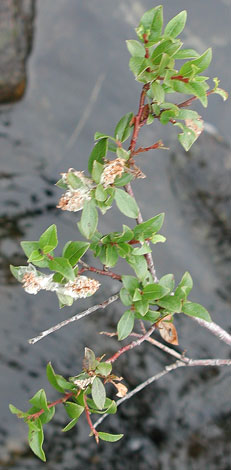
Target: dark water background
[{"x": 79, "y": 82}]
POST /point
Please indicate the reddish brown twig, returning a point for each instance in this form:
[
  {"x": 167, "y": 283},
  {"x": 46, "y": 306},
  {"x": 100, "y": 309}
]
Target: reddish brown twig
[
  {"x": 100, "y": 271},
  {"x": 137, "y": 119},
  {"x": 190, "y": 100},
  {"x": 176, "y": 77},
  {"x": 157, "y": 145},
  {"x": 87, "y": 412},
  {"x": 132, "y": 345},
  {"x": 57, "y": 402}
]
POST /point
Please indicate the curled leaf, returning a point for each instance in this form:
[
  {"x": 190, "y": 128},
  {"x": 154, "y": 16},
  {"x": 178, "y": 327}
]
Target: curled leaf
[
  {"x": 121, "y": 389},
  {"x": 168, "y": 330},
  {"x": 196, "y": 125}
]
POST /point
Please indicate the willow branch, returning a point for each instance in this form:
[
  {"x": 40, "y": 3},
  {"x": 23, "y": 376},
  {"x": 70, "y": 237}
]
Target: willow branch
[
  {"x": 100, "y": 271},
  {"x": 87, "y": 412},
  {"x": 90, "y": 310},
  {"x": 139, "y": 220},
  {"x": 54, "y": 403},
  {"x": 166, "y": 370},
  {"x": 215, "y": 329},
  {"x": 132, "y": 345}
]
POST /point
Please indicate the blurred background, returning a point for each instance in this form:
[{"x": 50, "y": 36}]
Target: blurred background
[{"x": 64, "y": 75}]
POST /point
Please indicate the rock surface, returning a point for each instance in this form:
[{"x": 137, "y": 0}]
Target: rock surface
[
  {"x": 201, "y": 179},
  {"x": 16, "y": 34}
]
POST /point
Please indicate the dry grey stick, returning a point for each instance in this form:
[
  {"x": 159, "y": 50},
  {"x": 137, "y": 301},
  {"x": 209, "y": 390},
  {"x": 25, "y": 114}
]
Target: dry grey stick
[
  {"x": 215, "y": 329},
  {"x": 166, "y": 370},
  {"x": 148, "y": 256},
  {"x": 90, "y": 310}
]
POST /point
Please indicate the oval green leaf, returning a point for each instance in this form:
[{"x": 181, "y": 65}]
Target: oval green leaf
[{"x": 126, "y": 204}]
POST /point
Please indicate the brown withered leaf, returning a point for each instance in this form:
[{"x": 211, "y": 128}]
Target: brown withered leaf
[
  {"x": 121, "y": 390},
  {"x": 196, "y": 125},
  {"x": 168, "y": 330}
]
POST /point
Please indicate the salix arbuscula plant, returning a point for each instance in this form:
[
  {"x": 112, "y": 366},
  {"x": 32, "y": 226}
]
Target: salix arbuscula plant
[{"x": 167, "y": 71}]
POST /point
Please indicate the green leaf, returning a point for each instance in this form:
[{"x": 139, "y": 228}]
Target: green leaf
[
  {"x": 167, "y": 281},
  {"x": 125, "y": 325},
  {"x": 123, "y": 180},
  {"x": 99, "y": 135},
  {"x": 109, "y": 437},
  {"x": 142, "y": 250},
  {"x": 73, "y": 410},
  {"x": 138, "y": 65},
  {"x": 62, "y": 266},
  {"x": 16, "y": 411},
  {"x": 100, "y": 193},
  {"x": 90, "y": 362},
  {"x": 137, "y": 295},
  {"x": 35, "y": 257},
  {"x": 125, "y": 297},
  {"x": 151, "y": 316},
  {"x": 130, "y": 283},
  {"x": 70, "y": 425},
  {"x": 186, "y": 54},
  {"x": 176, "y": 25},
  {"x": 39, "y": 400},
  {"x": 89, "y": 219},
  {"x": 196, "y": 310},
  {"x": 189, "y": 135},
  {"x": 141, "y": 307},
  {"x": 150, "y": 119},
  {"x": 154, "y": 291},
  {"x": 35, "y": 438},
  {"x": 151, "y": 24},
  {"x": 60, "y": 183},
  {"x": 187, "y": 114},
  {"x": 111, "y": 256},
  {"x": 126, "y": 204},
  {"x": 73, "y": 251},
  {"x": 192, "y": 88},
  {"x": 64, "y": 300},
  {"x": 97, "y": 170},
  {"x": 123, "y": 128},
  {"x": 135, "y": 48},
  {"x": 48, "y": 415},
  {"x": 168, "y": 47},
  {"x": 124, "y": 236},
  {"x": 74, "y": 181},
  {"x": 52, "y": 377},
  {"x": 158, "y": 92},
  {"x": 157, "y": 239},
  {"x": 48, "y": 240},
  {"x": 29, "y": 247},
  {"x": 139, "y": 264},
  {"x": 167, "y": 115},
  {"x": 186, "y": 283},
  {"x": 124, "y": 249},
  {"x": 111, "y": 407},
  {"x": 98, "y": 153},
  {"x": 201, "y": 63},
  {"x": 222, "y": 93},
  {"x": 187, "y": 138},
  {"x": 104, "y": 368},
  {"x": 146, "y": 229},
  {"x": 122, "y": 153},
  {"x": 165, "y": 60},
  {"x": 170, "y": 303},
  {"x": 98, "y": 393}
]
